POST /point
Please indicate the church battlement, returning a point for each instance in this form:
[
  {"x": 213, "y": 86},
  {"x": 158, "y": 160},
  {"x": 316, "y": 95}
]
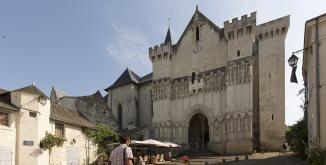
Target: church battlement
[
  {"x": 242, "y": 27},
  {"x": 274, "y": 28},
  {"x": 160, "y": 52}
]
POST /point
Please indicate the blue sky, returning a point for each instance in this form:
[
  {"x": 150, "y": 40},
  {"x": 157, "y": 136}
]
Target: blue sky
[{"x": 81, "y": 46}]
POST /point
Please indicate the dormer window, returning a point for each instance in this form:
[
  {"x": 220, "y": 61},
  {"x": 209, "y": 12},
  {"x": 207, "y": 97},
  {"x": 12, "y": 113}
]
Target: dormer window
[{"x": 197, "y": 33}]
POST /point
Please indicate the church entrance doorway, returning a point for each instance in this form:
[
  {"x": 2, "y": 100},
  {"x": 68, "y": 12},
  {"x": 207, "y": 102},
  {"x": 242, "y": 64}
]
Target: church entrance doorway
[{"x": 198, "y": 132}]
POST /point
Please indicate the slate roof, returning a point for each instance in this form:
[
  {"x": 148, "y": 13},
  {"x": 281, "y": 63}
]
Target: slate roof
[
  {"x": 65, "y": 115},
  {"x": 5, "y": 102},
  {"x": 128, "y": 76},
  {"x": 31, "y": 89},
  {"x": 95, "y": 98},
  {"x": 3, "y": 91},
  {"x": 168, "y": 37},
  {"x": 147, "y": 78},
  {"x": 58, "y": 93}
]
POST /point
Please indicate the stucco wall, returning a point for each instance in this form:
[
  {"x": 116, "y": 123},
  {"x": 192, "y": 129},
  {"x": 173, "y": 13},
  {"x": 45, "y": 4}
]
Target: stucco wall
[
  {"x": 59, "y": 154},
  {"x": 8, "y": 136},
  {"x": 309, "y": 66},
  {"x": 31, "y": 128}
]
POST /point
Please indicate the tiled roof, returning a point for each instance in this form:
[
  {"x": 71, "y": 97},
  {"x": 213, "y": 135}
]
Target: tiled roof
[{"x": 62, "y": 114}]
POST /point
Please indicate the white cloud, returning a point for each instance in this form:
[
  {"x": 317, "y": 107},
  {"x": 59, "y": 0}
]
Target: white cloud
[{"x": 129, "y": 48}]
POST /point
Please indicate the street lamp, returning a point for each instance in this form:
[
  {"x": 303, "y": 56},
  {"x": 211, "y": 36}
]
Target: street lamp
[{"x": 293, "y": 60}]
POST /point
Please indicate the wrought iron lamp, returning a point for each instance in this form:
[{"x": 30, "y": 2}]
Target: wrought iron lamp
[{"x": 293, "y": 60}]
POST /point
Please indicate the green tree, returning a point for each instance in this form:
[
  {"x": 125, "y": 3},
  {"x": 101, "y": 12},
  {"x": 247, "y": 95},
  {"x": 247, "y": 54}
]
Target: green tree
[
  {"x": 101, "y": 135},
  {"x": 296, "y": 135},
  {"x": 50, "y": 141}
]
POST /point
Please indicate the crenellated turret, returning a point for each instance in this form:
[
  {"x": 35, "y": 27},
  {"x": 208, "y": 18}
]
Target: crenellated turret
[
  {"x": 238, "y": 28},
  {"x": 240, "y": 36},
  {"x": 161, "y": 56}
]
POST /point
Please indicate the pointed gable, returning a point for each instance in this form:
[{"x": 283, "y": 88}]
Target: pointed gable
[
  {"x": 128, "y": 76},
  {"x": 198, "y": 17},
  {"x": 56, "y": 94}
]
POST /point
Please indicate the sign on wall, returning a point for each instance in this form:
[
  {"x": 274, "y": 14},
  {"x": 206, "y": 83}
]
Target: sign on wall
[{"x": 28, "y": 143}]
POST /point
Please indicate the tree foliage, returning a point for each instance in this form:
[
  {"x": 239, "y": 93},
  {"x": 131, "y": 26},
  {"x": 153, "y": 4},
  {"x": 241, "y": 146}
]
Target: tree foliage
[
  {"x": 297, "y": 137},
  {"x": 101, "y": 135},
  {"x": 315, "y": 156},
  {"x": 50, "y": 141}
]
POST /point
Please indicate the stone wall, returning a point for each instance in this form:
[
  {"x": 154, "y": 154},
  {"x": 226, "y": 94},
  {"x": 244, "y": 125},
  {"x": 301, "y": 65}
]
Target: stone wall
[{"x": 271, "y": 41}]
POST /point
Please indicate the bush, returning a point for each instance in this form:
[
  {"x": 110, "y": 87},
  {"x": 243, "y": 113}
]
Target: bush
[
  {"x": 101, "y": 135},
  {"x": 50, "y": 141},
  {"x": 315, "y": 153},
  {"x": 296, "y": 136}
]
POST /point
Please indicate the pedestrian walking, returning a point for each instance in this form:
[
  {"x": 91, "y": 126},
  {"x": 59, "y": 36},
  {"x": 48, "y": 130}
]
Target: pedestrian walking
[{"x": 122, "y": 155}]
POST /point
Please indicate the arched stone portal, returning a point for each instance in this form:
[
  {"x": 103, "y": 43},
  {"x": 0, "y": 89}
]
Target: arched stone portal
[{"x": 198, "y": 132}]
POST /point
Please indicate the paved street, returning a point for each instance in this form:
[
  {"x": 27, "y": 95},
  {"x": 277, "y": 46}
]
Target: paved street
[{"x": 273, "y": 158}]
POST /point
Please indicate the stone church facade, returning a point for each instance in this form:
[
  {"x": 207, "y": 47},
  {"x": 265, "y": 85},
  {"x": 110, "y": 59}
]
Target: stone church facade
[{"x": 216, "y": 88}]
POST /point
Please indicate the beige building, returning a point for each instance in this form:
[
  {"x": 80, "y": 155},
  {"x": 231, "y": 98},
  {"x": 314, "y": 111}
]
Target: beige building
[
  {"x": 26, "y": 115},
  {"x": 220, "y": 88},
  {"x": 314, "y": 74}
]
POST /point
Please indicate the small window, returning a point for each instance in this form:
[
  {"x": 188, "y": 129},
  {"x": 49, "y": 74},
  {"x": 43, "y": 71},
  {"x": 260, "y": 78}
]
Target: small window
[
  {"x": 231, "y": 35},
  {"x": 240, "y": 32},
  {"x": 277, "y": 31},
  {"x": 4, "y": 119},
  {"x": 272, "y": 116},
  {"x": 238, "y": 53},
  {"x": 194, "y": 91},
  {"x": 59, "y": 129},
  {"x": 272, "y": 33},
  {"x": 153, "y": 58},
  {"x": 159, "y": 56},
  {"x": 248, "y": 30},
  {"x": 32, "y": 114},
  {"x": 197, "y": 33},
  {"x": 260, "y": 37},
  {"x": 165, "y": 55},
  {"x": 193, "y": 75},
  {"x": 198, "y": 80},
  {"x": 170, "y": 57},
  {"x": 266, "y": 35},
  {"x": 283, "y": 30}
]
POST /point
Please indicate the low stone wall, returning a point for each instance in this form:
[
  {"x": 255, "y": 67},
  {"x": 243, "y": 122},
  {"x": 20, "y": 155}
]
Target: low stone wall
[{"x": 232, "y": 147}]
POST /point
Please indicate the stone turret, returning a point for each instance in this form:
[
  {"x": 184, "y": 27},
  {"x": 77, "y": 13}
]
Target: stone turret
[
  {"x": 240, "y": 35},
  {"x": 161, "y": 56}
]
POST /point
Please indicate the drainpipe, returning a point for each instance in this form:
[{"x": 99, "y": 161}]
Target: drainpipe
[{"x": 317, "y": 78}]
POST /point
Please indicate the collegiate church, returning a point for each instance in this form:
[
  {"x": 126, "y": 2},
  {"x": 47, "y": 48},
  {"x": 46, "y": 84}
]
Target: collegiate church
[{"x": 216, "y": 88}]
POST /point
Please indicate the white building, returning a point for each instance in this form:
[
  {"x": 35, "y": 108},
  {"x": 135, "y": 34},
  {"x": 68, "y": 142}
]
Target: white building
[
  {"x": 26, "y": 115},
  {"x": 314, "y": 74}
]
